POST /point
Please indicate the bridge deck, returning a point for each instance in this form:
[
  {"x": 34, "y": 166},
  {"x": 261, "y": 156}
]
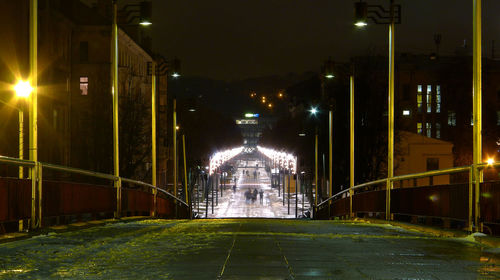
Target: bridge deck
[{"x": 245, "y": 249}]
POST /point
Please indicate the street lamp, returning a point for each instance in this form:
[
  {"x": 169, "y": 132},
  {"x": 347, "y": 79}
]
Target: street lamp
[
  {"x": 23, "y": 88},
  {"x": 379, "y": 15},
  {"x": 313, "y": 111}
]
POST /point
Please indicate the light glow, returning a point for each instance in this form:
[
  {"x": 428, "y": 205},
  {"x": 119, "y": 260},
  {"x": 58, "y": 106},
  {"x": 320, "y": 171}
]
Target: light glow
[
  {"x": 219, "y": 158},
  {"x": 490, "y": 161},
  {"x": 313, "y": 110},
  {"x": 361, "y": 24},
  {"x": 175, "y": 75},
  {"x": 145, "y": 23},
  {"x": 280, "y": 159},
  {"x": 23, "y": 89},
  {"x": 406, "y": 112},
  {"x": 329, "y": 76}
]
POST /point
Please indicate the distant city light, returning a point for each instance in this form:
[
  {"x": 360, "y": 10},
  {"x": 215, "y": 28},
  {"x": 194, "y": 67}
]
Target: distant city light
[
  {"x": 406, "y": 112},
  {"x": 302, "y": 134},
  {"x": 175, "y": 75},
  {"x": 192, "y": 110},
  {"x": 280, "y": 94},
  {"x": 270, "y": 105},
  {"x": 251, "y": 115},
  {"x": 329, "y": 76},
  {"x": 177, "y": 127},
  {"x": 23, "y": 89}
]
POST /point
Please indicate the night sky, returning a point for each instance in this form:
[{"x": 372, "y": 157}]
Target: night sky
[{"x": 235, "y": 39}]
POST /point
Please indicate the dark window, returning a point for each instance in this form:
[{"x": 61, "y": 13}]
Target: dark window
[
  {"x": 432, "y": 164},
  {"x": 84, "y": 51},
  {"x": 406, "y": 92}
]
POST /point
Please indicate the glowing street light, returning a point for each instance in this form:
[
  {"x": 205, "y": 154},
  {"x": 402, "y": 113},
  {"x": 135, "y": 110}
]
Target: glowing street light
[
  {"x": 175, "y": 75},
  {"x": 329, "y": 76},
  {"x": 490, "y": 161},
  {"x": 360, "y": 14},
  {"x": 270, "y": 105},
  {"x": 23, "y": 89},
  {"x": 313, "y": 111}
]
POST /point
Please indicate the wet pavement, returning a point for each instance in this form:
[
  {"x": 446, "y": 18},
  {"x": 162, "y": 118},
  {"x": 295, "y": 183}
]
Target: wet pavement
[
  {"x": 245, "y": 249},
  {"x": 235, "y": 203}
]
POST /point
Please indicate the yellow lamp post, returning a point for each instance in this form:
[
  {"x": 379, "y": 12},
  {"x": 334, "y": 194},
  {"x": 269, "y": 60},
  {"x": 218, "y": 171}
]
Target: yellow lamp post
[
  {"x": 33, "y": 112},
  {"x": 23, "y": 89},
  {"x": 477, "y": 108},
  {"x": 379, "y": 15}
]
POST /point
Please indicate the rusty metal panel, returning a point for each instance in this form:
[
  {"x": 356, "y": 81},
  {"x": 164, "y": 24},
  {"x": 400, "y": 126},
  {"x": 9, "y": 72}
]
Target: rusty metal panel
[
  {"x": 165, "y": 207},
  {"x": 372, "y": 201},
  {"x": 340, "y": 207},
  {"x": 137, "y": 201},
  {"x": 448, "y": 201},
  {"x": 64, "y": 198},
  {"x": 15, "y": 199}
]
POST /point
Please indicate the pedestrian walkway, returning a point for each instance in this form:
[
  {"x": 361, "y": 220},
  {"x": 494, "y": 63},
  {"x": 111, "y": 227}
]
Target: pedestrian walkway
[
  {"x": 238, "y": 203},
  {"x": 245, "y": 249}
]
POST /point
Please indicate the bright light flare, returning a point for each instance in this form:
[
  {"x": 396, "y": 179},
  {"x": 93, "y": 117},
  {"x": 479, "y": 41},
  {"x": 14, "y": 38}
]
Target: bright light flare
[
  {"x": 23, "y": 89},
  {"x": 145, "y": 23},
  {"x": 176, "y": 75},
  {"x": 490, "y": 161},
  {"x": 313, "y": 110},
  {"x": 329, "y": 76},
  {"x": 270, "y": 105}
]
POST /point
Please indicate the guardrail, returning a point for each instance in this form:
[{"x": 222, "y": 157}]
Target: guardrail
[
  {"x": 454, "y": 202},
  {"x": 19, "y": 202}
]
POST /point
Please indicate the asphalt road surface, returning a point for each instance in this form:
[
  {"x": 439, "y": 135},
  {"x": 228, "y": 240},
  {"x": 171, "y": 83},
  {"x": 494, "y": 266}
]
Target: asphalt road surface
[{"x": 245, "y": 249}]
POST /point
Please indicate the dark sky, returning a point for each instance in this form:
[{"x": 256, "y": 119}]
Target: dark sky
[{"x": 234, "y": 39}]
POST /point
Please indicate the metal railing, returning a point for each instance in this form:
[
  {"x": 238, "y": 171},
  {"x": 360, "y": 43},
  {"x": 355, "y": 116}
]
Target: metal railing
[
  {"x": 473, "y": 190},
  {"x": 36, "y": 200}
]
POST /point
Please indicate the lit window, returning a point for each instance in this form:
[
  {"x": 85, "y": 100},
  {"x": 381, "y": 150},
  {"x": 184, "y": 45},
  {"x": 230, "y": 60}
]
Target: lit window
[
  {"x": 498, "y": 117},
  {"x": 429, "y": 99},
  {"x": 419, "y": 88},
  {"x": 419, "y": 128},
  {"x": 428, "y": 129},
  {"x": 406, "y": 112},
  {"x": 452, "y": 118},
  {"x": 438, "y": 99},
  {"x": 438, "y": 130},
  {"x": 84, "y": 85},
  {"x": 419, "y": 102}
]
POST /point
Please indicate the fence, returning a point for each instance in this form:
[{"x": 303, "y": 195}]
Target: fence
[
  {"x": 471, "y": 205},
  {"x": 23, "y": 202}
]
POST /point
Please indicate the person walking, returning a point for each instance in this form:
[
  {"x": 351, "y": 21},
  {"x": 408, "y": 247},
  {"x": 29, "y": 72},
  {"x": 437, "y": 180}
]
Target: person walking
[{"x": 261, "y": 194}]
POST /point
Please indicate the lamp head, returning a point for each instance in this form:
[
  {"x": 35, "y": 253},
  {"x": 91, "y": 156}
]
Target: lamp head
[
  {"x": 146, "y": 13},
  {"x": 360, "y": 14}
]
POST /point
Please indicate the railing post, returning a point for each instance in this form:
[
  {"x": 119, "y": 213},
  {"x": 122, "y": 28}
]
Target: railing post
[
  {"x": 470, "y": 219},
  {"x": 388, "y": 199},
  {"x": 39, "y": 187},
  {"x": 118, "y": 184}
]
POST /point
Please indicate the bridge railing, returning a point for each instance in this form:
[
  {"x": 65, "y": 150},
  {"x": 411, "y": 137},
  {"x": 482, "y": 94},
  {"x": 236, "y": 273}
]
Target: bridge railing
[
  {"x": 469, "y": 204},
  {"x": 23, "y": 202}
]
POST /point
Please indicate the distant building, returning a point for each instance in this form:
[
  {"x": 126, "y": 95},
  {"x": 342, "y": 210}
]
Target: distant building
[
  {"x": 418, "y": 153},
  {"x": 434, "y": 99},
  {"x": 75, "y": 112}
]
